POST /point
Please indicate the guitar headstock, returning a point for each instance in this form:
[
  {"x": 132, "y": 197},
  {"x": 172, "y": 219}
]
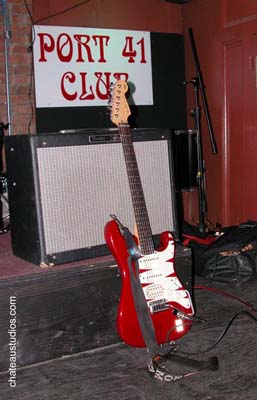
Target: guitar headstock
[{"x": 120, "y": 110}]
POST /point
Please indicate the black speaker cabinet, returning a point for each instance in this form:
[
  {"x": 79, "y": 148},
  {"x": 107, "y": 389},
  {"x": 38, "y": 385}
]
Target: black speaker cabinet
[
  {"x": 185, "y": 159},
  {"x": 63, "y": 187}
]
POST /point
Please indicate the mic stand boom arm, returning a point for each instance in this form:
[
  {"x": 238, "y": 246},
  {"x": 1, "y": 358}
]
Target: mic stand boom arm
[{"x": 202, "y": 90}]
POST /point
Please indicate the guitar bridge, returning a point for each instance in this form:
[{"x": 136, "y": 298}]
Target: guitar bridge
[{"x": 157, "y": 305}]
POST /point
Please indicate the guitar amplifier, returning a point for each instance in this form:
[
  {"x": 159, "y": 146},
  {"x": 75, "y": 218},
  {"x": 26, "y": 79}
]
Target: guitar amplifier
[{"x": 63, "y": 187}]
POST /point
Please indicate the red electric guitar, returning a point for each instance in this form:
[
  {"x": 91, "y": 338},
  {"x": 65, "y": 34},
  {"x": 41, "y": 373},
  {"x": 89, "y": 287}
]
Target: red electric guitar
[{"x": 168, "y": 301}]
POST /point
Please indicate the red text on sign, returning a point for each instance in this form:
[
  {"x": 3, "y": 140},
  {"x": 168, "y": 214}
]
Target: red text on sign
[
  {"x": 100, "y": 90},
  {"x": 67, "y": 47}
]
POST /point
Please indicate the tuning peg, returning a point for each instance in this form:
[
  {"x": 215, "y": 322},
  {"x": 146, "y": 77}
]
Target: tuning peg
[{"x": 111, "y": 89}]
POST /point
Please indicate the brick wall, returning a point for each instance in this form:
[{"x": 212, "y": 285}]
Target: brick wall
[{"x": 21, "y": 92}]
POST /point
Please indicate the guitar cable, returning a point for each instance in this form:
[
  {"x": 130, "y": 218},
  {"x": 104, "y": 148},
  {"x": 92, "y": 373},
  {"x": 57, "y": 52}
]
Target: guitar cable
[
  {"x": 157, "y": 368},
  {"x": 225, "y": 330},
  {"x": 248, "y": 305},
  {"x": 162, "y": 366}
]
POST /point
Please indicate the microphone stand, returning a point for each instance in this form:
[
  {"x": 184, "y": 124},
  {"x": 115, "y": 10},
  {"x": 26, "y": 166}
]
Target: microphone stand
[
  {"x": 196, "y": 114},
  {"x": 7, "y": 38},
  {"x": 199, "y": 87},
  {"x": 3, "y": 180}
]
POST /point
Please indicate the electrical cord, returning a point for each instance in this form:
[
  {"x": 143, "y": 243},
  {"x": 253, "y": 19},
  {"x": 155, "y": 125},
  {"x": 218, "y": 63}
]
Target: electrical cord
[
  {"x": 226, "y": 294},
  {"x": 61, "y": 12},
  {"x": 220, "y": 337},
  {"x": 30, "y": 48},
  {"x": 243, "y": 312}
]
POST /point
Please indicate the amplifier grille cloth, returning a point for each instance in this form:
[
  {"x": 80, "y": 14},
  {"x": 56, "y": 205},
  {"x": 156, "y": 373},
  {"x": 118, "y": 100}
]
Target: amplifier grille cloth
[{"x": 80, "y": 186}]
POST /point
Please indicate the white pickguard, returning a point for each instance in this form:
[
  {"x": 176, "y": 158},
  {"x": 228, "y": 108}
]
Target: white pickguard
[{"x": 161, "y": 280}]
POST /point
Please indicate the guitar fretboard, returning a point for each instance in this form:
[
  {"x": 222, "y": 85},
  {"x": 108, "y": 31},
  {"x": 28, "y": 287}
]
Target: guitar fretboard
[{"x": 138, "y": 200}]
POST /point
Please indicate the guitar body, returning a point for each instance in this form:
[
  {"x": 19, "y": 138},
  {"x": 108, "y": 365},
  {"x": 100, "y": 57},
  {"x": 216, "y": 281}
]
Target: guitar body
[{"x": 161, "y": 286}]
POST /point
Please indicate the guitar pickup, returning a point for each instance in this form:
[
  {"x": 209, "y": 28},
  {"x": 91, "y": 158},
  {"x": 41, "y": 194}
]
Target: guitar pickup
[{"x": 157, "y": 305}]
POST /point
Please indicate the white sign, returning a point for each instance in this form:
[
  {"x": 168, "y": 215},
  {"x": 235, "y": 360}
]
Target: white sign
[{"x": 75, "y": 66}]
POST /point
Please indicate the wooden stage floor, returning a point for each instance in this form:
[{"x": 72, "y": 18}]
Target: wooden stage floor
[{"x": 117, "y": 372}]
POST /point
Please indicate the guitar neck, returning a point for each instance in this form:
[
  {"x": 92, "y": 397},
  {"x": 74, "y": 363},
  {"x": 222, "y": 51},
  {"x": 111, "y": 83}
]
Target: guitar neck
[{"x": 136, "y": 190}]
